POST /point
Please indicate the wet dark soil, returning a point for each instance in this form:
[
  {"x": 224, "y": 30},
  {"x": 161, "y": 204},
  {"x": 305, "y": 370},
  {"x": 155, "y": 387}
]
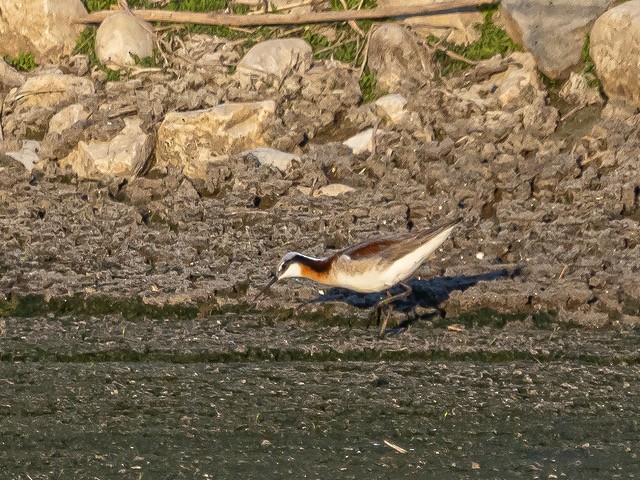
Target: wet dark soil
[{"x": 235, "y": 395}]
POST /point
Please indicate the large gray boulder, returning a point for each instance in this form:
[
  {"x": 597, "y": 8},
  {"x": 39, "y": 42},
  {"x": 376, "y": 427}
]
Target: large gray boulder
[{"x": 554, "y": 31}]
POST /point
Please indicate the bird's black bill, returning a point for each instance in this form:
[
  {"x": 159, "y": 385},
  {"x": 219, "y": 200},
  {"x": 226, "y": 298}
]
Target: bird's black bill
[{"x": 273, "y": 280}]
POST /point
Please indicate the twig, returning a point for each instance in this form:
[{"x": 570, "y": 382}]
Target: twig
[
  {"x": 455, "y": 56},
  {"x": 564, "y": 270},
  {"x": 394, "y": 446},
  {"x": 366, "y": 52},
  {"x": 202, "y": 18}
]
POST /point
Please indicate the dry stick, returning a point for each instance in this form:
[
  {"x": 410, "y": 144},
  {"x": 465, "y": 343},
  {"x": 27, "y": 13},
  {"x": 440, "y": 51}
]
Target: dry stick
[{"x": 291, "y": 19}]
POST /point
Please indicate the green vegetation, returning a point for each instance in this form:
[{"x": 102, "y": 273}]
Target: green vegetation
[
  {"x": 24, "y": 62},
  {"x": 589, "y": 69},
  {"x": 368, "y": 84},
  {"x": 493, "y": 40}
]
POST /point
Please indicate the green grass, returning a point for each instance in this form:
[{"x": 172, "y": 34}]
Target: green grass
[
  {"x": 493, "y": 40},
  {"x": 24, "y": 62},
  {"x": 368, "y": 84},
  {"x": 589, "y": 69}
]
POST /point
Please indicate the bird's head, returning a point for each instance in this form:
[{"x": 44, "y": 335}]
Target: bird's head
[{"x": 288, "y": 267}]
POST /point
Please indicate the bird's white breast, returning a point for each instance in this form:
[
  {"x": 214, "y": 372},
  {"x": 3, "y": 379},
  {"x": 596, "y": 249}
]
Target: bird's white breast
[{"x": 376, "y": 279}]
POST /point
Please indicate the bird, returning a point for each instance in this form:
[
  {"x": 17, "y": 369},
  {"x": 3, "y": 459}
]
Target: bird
[{"x": 371, "y": 266}]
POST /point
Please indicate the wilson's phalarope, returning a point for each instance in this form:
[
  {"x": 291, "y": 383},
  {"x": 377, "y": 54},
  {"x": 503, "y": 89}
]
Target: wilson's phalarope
[{"x": 371, "y": 266}]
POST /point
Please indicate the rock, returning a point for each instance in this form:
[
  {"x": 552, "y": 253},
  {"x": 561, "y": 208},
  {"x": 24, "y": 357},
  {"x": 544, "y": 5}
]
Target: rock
[
  {"x": 614, "y": 50},
  {"x": 68, "y": 117},
  {"x": 283, "y": 161},
  {"x": 29, "y": 108},
  {"x": 12, "y": 171},
  {"x": 211, "y": 55},
  {"x": 28, "y": 155},
  {"x": 125, "y": 155},
  {"x": 121, "y": 35},
  {"x": 391, "y": 106},
  {"x": 362, "y": 142},
  {"x": 395, "y": 58},
  {"x": 331, "y": 190},
  {"x": 520, "y": 84},
  {"x": 52, "y": 90},
  {"x": 553, "y": 31},
  {"x": 455, "y": 26},
  {"x": 46, "y": 28},
  {"x": 9, "y": 76},
  {"x": 275, "y": 59},
  {"x": 190, "y": 140},
  {"x": 577, "y": 91}
]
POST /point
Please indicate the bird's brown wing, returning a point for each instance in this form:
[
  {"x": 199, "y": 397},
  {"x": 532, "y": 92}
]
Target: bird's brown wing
[
  {"x": 371, "y": 247},
  {"x": 395, "y": 247}
]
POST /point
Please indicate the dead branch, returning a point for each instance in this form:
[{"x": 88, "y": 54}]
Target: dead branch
[{"x": 202, "y": 18}]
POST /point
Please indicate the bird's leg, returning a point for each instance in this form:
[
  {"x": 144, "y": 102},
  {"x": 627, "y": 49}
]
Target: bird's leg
[
  {"x": 383, "y": 323},
  {"x": 407, "y": 291},
  {"x": 386, "y": 305}
]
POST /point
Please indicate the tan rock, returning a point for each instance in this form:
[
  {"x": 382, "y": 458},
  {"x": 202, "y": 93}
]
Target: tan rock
[
  {"x": 28, "y": 155},
  {"x": 125, "y": 155},
  {"x": 283, "y": 161},
  {"x": 457, "y": 26},
  {"x": 121, "y": 35},
  {"x": 68, "y": 117},
  {"x": 9, "y": 76},
  {"x": 363, "y": 141},
  {"x": 275, "y": 59},
  {"x": 47, "y": 28},
  {"x": 553, "y": 31},
  {"x": 191, "y": 140},
  {"x": 615, "y": 40},
  {"x": 29, "y": 108},
  {"x": 53, "y": 90},
  {"x": 333, "y": 190},
  {"x": 577, "y": 91},
  {"x": 392, "y": 106},
  {"x": 395, "y": 58},
  {"x": 520, "y": 83}
]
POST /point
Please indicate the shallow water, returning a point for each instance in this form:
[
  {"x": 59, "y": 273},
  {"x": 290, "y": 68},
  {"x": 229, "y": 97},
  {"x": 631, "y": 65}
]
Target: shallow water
[{"x": 232, "y": 396}]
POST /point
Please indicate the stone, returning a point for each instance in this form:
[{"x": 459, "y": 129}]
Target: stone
[
  {"x": 9, "y": 76},
  {"x": 275, "y": 59},
  {"x": 68, "y": 117},
  {"x": 395, "y": 59},
  {"x": 191, "y": 140},
  {"x": 554, "y": 31},
  {"x": 47, "y": 28},
  {"x": 283, "y": 161},
  {"x": 614, "y": 48},
  {"x": 455, "y": 26},
  {"x": 29, "y": 108},
  {"x": 519, "y": 84},
  {"x": 577, "y": 91},
  {"x": 28, "y": 155},
  {"x": 391, "y": 106},
  {"x": 121, "y": 35},
  {"x": 362, "y": 142},
  {"x": 333, "y": 190},
  {"x": 125, "y": 155},
  {"x": 51, "y": 91}
]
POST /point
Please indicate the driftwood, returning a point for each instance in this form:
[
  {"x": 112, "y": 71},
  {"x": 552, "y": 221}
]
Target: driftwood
[{"x": 202, "y": 18}]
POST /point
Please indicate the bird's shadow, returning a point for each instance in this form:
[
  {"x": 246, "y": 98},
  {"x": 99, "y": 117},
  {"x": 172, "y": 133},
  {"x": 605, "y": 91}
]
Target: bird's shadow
[{"x": 429, "y": 293}]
